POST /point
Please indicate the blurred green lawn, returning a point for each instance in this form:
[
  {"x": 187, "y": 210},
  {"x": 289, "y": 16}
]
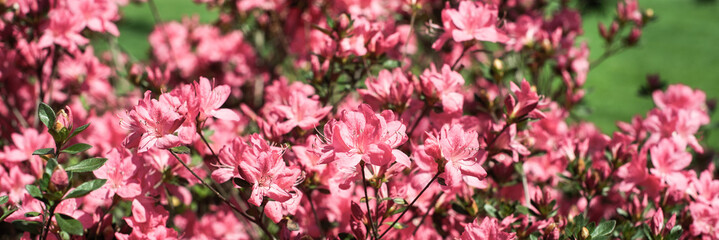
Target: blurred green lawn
[{"x": 682, "y": 46}]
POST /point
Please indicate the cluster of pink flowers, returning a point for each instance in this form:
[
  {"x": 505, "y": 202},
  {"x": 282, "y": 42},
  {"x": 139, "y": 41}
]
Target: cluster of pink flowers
[{"x": 338, "y": 119}]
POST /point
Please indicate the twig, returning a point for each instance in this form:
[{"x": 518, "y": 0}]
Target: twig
[
  {"x": 366, "y": 197},
  {"x": 410, "y": 205}
]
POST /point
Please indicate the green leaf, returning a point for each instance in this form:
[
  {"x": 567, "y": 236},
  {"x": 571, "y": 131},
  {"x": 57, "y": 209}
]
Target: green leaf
[
  {"x": 28, "y": 226},
  {"x": 180, "y": 150},
  {"x": 47, "y": 115},
  {"x": 34, "y": 191},
  {"x": 85, "y": 188},
  {"x": 79, "y": 130},
  {"x": 32, "y": 214},
  {"x": 399, "y": 201},
  {"x": 398, "y": 226},
  {"x": 77, "y": 148},
  {"x": 69, "y": 224},
  {"x": 87, "y": 165},
  {"x": 604, "y": 229},
  {"x": 3, "y": 199},
  {"x": 7, "y": 213},
  {"x": 43, "y": 151},
  {"x": 675, "y": 233}
]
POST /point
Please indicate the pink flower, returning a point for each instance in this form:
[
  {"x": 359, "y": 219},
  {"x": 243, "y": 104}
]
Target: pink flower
[
  {"x": 488, "y": 229},
  {"x": 13, "y": 184},
  {"x": 525, "y": 104},
  {"x": 458, "y": 150},
  {"x": 679, "y": 125},
  {"x": 64, "y": 30},
  {"x": 365, "y": 136},
  {"x": 25, "y": 144},
  {"x": 97, "y": 15},
  {"x": 388, "y": 88},
  {"x": 151, "y": 123},
  {"x": 301, "y": 111},
  {"x": 119, "y": 170},
  {"x": 669, "y": 160},
  {"x": 147, "y": 222},
  {"x": 680, "y": 96},
  {"x": 629, "y": 10},
  {"x": 445, "y": 85},
  {"x": 261, "y": 165},
  {"x": 471, "y": 21},
  {"x": 210, "y": 100}
]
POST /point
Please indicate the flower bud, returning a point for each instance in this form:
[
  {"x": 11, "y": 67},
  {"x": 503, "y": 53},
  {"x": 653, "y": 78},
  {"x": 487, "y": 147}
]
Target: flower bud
[
  {"x": 59, "y": 178},
  {"x": 633, "y": 37},
  {"x": 497, "y": 69},
  {"x": 603, "y": 31},
  {"x": 64, "y": 119},
  {"x": 584, "y": 234}
]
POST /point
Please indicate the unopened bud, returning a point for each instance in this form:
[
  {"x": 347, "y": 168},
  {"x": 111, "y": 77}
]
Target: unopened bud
[
  {"x": 64, "y": 119},
  {"x": 497, "y": 69},
  {"x": 584, "y": 234},
  {"x": 59, "y": 178},
  {"x": 634, "y": 36},
  {"x": 648, "y": 14}
]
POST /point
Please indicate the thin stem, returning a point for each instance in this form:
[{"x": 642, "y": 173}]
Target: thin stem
[
  {"x": 206, "y": 143},
  {"x": 425, "y": 110},
  {"x": 366, "y": 197},
  {"x": 421, "y": 221},
  {"x": 258, "y": 223},
  {"x": 410, "y": 205},
  {"x": 46, "y": 229},
  {"x": 210, "y": 187},
  {"x": 464, "y": 50},
  {"x": 314, "y": 212},
  {"x": 524, "y": 185}
]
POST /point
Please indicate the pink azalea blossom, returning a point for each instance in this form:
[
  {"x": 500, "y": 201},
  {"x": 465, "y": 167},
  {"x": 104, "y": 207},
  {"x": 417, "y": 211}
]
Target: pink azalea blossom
[
  {"x": 13, "y": 183},
  {"x": 151, "y": 123},
  {"x": 526, "y": 102},
  {"x": 459, "y": 151},
  {"x": 119, "y": 170},
  {"x": 210, "y": 100},
  {"x": 365, "y": 136},
  {"x": 669, "y": 160},
  {"x": 388, "y": 88},
  {"x": 64, "y": 30},
  {"x": 471, "y": 21},
  {"x": 445, "y": 85},
  {"x": 97, "y": 15},
  {"x": 487, "y": 229},
  {"x": 301, "y": 111}
]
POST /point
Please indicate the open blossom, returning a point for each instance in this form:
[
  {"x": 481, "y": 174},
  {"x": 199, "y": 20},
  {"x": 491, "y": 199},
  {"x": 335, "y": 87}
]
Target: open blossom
[
  {"x": 488, "y": 229},
  {"x": 363, "y": 135},
  {"x": 152, "y": 123},
  {"x": 147, "y": 222},
  {"x": 526, "y": 102},
  {"x": 262, "y": 166},
  {"x": 119, "y": 170},
  {"x": 471, "y": 21},
  {"x": 209, "y": 101},
  {"x": 13, "y": 183},
  {"x": 669, "y": 160},
  {"x": 459, "y": 151},
  {"x": 97, "y": 15},
  {"x": 388, "y": 88},
  {"x": 445, "y": 85},
  {"x": 300, "y": 111},
  {"x": 680, "y": 96},
  {"x": 64, "y": 30}
]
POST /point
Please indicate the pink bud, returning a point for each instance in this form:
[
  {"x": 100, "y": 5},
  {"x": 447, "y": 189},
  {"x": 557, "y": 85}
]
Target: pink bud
[
  {"x": 59, "y": 178},
  {"x": 64, "y": 119},
  {"x": 634, "y": 36}
]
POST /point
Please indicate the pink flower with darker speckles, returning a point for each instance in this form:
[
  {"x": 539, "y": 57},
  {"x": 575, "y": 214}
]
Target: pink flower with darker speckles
[{"x": 152, "y": 123}]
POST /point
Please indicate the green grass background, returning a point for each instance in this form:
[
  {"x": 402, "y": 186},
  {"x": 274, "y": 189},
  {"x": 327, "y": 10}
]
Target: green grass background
[{"x": 682, "y": 46}]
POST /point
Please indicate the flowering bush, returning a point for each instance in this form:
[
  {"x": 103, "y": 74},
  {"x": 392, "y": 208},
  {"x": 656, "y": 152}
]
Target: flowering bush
[{"x": 341, "y": 120}]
